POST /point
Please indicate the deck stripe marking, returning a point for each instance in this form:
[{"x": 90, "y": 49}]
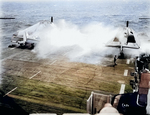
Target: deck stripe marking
[
  {"x": 128, "y": 61},
  {"x": 34, "y": 75},
  {"x": 53, "y": 62},
  {"x": 125, "y": 72},
  {"x": 10, "y": 91},
  {"x": 12, "y": 48},
  {"x": 10, "y": 56},
  {"x": 122, "y": 89}
]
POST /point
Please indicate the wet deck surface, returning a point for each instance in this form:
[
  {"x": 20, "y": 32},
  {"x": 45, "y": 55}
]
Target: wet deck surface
[
  {"x": 57, "y": 69},
  {"x": 58, "y": 72}
]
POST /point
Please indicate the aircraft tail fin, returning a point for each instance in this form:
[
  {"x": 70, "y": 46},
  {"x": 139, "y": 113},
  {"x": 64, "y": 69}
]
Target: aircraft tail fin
[
  {"x": 127, "y": 24},
  {"x": 25, "y": 36}
]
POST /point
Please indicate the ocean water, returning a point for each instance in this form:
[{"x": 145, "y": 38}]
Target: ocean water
[{"x": 87, "y": 25}]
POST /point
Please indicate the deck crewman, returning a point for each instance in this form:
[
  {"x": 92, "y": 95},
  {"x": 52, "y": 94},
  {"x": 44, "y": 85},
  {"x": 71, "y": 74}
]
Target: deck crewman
[{"x": 115, "y": 59}]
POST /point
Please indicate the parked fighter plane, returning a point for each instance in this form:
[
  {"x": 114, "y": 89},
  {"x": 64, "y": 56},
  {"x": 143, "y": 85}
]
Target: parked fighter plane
[
  {"x": 125, "y": 38},
  {"x": 29, "y": 36}
]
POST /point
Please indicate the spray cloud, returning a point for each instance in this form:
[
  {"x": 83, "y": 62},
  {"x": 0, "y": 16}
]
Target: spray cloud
[
  {"x": 83, "y": 44},
  {"x": 78, "y": 44}
]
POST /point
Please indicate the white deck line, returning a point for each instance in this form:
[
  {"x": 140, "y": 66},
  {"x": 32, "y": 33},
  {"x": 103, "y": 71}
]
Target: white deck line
[
  {"x": 122, "y": 89},
  {"x": 10, "y": 56},
  {"x": 12, "y": 48},
  {"x": 125, "y": 72},
  {"x": 10, "y": 91},
  {"x": 53, "y": 62},
  {"x": 65, "y": 54},
  {"x": 34, "y": 75},
  {"x": 65, "y": 70},
  {"x": 128, "y": 61}
]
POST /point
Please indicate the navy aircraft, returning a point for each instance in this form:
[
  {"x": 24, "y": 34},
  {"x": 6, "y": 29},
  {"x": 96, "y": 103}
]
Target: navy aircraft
[
  {"x": 29, "y": 36},
  {"x": 125, "y": 38}
]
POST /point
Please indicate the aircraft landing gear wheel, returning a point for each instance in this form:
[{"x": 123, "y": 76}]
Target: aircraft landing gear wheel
[
  {"x": 32, "y": 46},
  {"x": 121, "y": 56},
  {"x": 12, "y": 46}
]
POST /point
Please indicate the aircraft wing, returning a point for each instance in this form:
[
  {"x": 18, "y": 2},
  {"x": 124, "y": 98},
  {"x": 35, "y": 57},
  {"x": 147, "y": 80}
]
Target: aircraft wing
[
  {"x": 33, "y": 32},
  {"x": 132, "y": 46},
  {"x": 125, "y": 38},
  {"x": 114, "y": 45},
  {"x": 119, "y": 45},
  {"x": 115, "y": 42}
]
